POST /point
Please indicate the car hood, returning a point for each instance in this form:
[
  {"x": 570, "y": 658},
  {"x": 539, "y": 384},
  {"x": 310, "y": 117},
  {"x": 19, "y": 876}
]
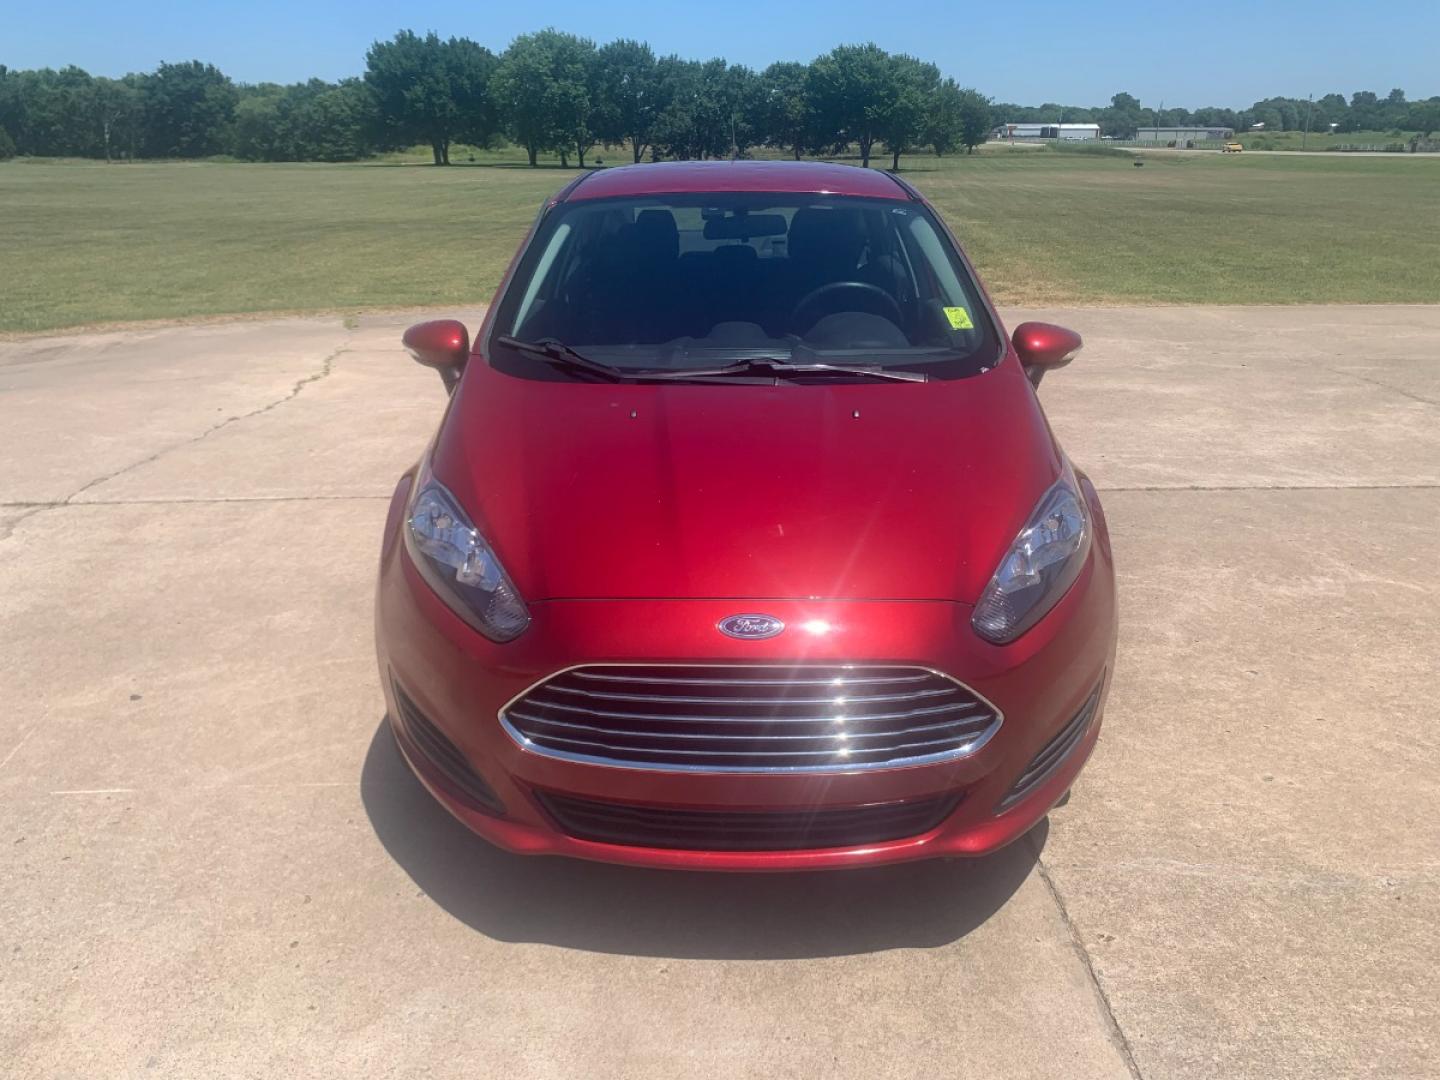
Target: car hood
[{"x": 860, "y": 490}]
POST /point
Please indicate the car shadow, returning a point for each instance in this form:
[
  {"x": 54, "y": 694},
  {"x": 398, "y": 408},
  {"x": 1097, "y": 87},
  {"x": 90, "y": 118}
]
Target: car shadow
[{"x": 678, "y": 914}]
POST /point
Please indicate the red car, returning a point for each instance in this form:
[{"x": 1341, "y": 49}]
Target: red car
[{"x": 744, "y": 543}]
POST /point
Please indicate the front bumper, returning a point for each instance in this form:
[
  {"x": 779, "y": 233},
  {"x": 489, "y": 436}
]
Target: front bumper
[{"x": 461, "y": 681}]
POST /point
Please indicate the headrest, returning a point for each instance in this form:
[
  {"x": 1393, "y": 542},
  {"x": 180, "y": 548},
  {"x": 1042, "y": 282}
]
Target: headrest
[
  {"x": 820, "y": 234},
  {"x": 655, "y": 233},
  {"x": 735, "y": 253}
]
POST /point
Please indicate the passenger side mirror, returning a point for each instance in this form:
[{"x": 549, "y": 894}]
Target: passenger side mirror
[
  {"x": 1044, "y": 347},
  {"x": 442, "y": 344}
]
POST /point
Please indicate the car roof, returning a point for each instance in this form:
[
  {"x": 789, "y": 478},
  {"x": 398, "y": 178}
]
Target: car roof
[{"x": 699, "y": 177}]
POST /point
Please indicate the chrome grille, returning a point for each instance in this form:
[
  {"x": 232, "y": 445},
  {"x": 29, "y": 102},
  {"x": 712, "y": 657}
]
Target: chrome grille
[{"x": 751, "y": 718}]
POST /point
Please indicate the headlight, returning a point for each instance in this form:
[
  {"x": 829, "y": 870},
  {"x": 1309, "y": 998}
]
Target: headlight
[
  {"x": 457, "y": 562},
  {"x": 1040, "y": 566}
]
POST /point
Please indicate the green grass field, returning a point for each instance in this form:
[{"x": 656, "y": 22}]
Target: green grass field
[
  {"x": 85, "y": 243},
  {"x": 1316, "y": 140}
]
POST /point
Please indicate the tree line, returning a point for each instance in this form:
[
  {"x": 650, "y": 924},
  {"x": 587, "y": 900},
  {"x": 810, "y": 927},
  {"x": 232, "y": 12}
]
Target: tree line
[
  {"x": 1364, "y": 111},
  {"x": 552, "y": 92}
]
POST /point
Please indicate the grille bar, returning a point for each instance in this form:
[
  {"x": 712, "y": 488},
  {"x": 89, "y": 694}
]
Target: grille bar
[
  {"x": 930, "y": 710},
  {"x": 672, "y": 699},
  {"x": 758, "y": 755},
  {"x": 744, "y": 830},
  {"x": 672, "y": 681},
  {"x": 751, "y": 718}
]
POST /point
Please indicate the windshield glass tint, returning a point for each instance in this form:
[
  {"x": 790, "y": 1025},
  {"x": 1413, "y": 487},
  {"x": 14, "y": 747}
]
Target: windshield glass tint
[{"x": 676, "y": 282}]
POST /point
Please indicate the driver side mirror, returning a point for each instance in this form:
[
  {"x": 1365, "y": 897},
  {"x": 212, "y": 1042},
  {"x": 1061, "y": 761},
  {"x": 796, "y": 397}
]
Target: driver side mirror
[
  {"x": 1044, "y": 347},
  {"x": 442, "y": 344}
]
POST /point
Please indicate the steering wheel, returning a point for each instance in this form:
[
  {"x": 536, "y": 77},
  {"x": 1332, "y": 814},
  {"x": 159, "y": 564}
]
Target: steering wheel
[{"x": 814, "y": 297}]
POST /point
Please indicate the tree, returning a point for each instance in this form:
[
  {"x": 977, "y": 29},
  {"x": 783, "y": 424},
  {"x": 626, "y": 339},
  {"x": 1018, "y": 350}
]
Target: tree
[
  {"x": 1330, "y": 109},
  {"x": 337, "y": 122},
  {"x": 521, "y": 88},
  {"x": 45, "y": 112},
  {"x": 188, "y": 109},
  {"x": 976, "y": 119},
  {"x": 10, "y": 104},
  {"x": 911, "y": 93},
  {"x": 573, "y": 71},
  {"x": 543, "y": 86},
  {"x": 731, "y": 115},
  {"x": 676, "y": 125},
  {"x": 432, "y": 91},
  {"x": 784, "y": 114},
  {"x": 1122, "y": 118},
  {"x": 1424, "y": 117},
  {"x": 958, "y": 118},
  {"x": 257, "y": 131},
  {"x": 312, "y": 121},
  {"x": 1211, "y": 116},
  {"x": 627, "y": 93},
  {"x": 1364, "y": 111},
  {"x": 710, "y": 110},
  {"x": 852, "y": 92},
  {"x": 944, "y": 121},
  {"x": 119, "y": 111},
  {"x": 1282, "y": 113},
  {"x": 1393, "y": 110}
]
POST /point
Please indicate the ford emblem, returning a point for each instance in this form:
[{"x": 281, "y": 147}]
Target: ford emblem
[{"x": 750, "y": 627}]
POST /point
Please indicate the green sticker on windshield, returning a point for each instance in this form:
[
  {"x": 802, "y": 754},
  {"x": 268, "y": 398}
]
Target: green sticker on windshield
[{"x": 959, "y": 318}]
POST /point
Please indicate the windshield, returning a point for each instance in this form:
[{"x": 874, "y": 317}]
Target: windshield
[{"x": 688, "y": 281}]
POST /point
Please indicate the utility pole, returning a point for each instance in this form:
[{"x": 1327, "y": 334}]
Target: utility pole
[{"x": 1309, "y": 105}]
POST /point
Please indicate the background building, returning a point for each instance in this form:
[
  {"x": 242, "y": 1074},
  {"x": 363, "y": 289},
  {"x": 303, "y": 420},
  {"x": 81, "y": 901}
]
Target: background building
[
  {"x": 1181, "y": 135},
  {"x": 1048, "y": 131}
]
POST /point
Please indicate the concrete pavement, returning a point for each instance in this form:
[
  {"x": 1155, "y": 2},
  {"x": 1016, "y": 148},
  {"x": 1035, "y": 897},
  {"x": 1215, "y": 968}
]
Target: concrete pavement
[{"x": 212, "y": 863}]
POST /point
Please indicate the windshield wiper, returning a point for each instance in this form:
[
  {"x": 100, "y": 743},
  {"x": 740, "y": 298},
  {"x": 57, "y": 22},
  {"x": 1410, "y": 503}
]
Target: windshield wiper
[
  {"x": 780, "y": 367},
  {"x": 562, "y": 355}
]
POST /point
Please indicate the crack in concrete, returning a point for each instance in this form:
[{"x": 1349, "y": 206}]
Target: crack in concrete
[
  {"x": 32, "y": 508},
  {"x": 189, "y": 499},
  {"x": 8, "y": 531},
  {"x": 1117, "y": 1033},
  {"x": 16, "y": 748},
  {"x": 1382, "y": 385},
  {"x": 327, "y": 366},
  {"x": 1418, "y": 875},
  {"x": 193, "y": 499}
]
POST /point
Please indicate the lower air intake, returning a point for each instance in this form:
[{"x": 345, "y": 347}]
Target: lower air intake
[
  {"x": 744, "y": 830},
  {"x": 420, "y": 736},
  {"x": 1053, "y": 753}
]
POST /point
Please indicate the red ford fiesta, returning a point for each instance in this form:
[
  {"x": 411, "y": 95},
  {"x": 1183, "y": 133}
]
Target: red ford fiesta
[{"x": 744, "y": 543}]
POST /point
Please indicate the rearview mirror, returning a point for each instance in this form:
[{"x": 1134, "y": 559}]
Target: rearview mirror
[
  {"x": 442, "y": 344},
  {"x": 1044, "y": 347}
]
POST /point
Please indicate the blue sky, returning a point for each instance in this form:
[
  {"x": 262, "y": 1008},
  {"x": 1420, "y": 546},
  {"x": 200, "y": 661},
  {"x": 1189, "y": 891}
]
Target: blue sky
[{"x": 1223, "y": 53}]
